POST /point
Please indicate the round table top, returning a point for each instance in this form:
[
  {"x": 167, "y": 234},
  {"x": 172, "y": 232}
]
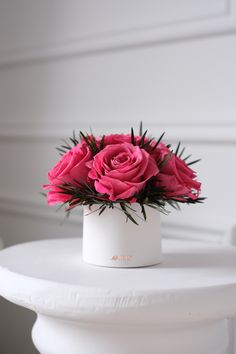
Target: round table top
[{"x": 196, "y": 281}]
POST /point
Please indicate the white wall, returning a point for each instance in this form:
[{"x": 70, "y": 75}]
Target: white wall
[{"x": 109, "y": 64}]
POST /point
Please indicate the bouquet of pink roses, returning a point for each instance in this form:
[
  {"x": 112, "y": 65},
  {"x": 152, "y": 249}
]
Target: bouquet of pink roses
[{"x": 117, "y": 170}]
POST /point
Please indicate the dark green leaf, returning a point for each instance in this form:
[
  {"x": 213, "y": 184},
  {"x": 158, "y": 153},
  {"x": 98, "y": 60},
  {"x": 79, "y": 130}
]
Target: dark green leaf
[
  {"x": 147, "y": 144},
  {"x": 166, "y": 159},
  {"x": 187, "y": 157},
  {"x": 143, "y": 212},
  {"x": 143, "y": 139},
  {"x": 181, "y": 152},
  {"x": 158, "y": 141},
  {"x": 102, "y": 209},
  {"x": 129, "y": 216},
  {"x": 177, "y": 149},
  {"x": 61, "y": 150},
  {"x": 195, "y": 161},
  {"x": 102, "y": 142},
  {"x": 132, "y": 137}
]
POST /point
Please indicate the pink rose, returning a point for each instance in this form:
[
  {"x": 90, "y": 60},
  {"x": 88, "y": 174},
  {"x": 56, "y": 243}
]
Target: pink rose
[
  {"x": 71, "y": 168},
  {"x": 122, "y": 170},
  {"x": 176, "y": 178},
  {"x": 160, "y": 152}
]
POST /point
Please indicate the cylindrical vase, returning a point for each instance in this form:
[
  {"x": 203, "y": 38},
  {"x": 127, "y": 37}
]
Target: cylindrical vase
[{"x": 112, "y": 240}]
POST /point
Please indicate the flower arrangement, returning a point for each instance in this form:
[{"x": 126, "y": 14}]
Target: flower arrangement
[{"x": 117, "y": 170}]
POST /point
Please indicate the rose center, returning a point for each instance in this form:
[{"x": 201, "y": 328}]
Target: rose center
[{"x": 120, "y": 159}]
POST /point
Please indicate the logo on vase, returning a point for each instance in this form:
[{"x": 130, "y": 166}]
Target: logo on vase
[{"x": 121, "y": 258}]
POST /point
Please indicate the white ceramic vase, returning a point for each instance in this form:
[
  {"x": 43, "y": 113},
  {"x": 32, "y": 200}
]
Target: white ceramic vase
[{"x": 110, "y": 240}]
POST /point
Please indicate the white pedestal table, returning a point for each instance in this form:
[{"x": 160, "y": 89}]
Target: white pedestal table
[{"x": 178, "y": 307}]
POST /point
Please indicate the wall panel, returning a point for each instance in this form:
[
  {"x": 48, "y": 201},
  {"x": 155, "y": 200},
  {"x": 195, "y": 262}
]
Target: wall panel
[{"x": 71, "y": 27}]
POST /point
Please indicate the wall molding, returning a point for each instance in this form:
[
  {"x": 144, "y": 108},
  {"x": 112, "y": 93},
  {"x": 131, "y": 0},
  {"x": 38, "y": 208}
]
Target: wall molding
[
  {"x": 35, "y": 208},
  {"x": 209, "y": 24},
  {"x": 194, "y": 133},
  {"x": 213, "y": 231}
]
